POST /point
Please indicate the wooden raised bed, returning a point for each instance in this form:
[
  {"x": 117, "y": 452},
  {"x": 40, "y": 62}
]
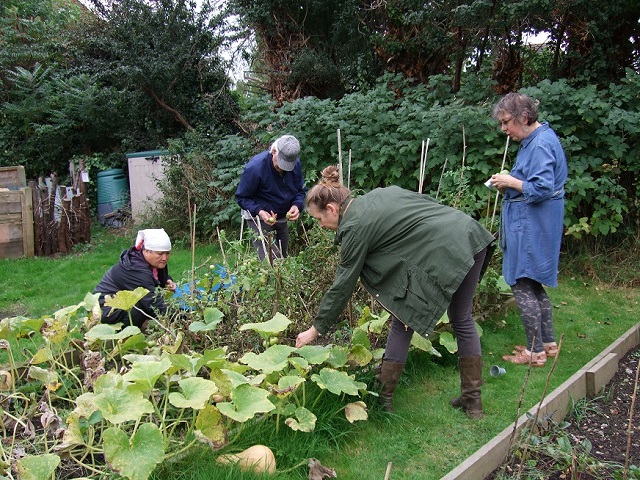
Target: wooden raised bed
[{"x": 586, "y": 382}]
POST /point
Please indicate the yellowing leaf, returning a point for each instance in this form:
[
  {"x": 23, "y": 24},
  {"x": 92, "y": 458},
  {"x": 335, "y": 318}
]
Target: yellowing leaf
[
  {"x": 356, "y": 411},
  {"x": 37, "y": 467}
]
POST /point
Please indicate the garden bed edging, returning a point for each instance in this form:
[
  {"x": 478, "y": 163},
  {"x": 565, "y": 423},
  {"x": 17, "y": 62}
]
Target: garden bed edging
[{"x": 586, "y": 382}]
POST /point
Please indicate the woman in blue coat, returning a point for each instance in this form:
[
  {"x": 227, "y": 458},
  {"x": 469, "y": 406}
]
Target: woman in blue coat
[{"x": 531, "y": 222}]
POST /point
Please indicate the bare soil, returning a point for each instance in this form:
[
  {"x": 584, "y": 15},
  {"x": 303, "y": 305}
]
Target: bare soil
[{"x": 605, "y": 422}]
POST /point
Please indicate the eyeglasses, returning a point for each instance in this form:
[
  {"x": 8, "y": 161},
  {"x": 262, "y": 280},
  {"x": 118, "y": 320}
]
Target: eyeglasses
[{"x": 504, "y": 122}]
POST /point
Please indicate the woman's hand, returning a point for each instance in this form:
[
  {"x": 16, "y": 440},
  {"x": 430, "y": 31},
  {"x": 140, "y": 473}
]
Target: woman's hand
[
  {"x": 171, "y": 285},
  {"x": 502, "y": 182},
  {"x": 306, "y": 337}
]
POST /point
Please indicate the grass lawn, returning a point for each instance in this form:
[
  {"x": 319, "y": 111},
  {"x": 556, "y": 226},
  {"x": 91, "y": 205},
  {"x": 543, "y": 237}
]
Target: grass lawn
[{"x": 425, "y": 438}]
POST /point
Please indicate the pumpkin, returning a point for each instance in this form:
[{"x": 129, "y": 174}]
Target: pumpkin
[{"x": 258, "y": 458}]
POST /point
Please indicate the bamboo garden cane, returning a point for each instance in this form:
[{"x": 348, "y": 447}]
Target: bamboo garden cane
[{"x": 495, "y": 203}]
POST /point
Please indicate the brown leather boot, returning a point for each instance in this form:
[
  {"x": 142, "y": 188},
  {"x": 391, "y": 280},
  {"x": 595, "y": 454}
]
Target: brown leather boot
[
  {"x": 470, "y": 383},
  {"x": 387, "y": 378}
]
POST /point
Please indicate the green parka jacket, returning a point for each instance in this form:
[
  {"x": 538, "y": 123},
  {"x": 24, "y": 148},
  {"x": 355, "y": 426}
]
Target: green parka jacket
[{"x": 410, "y": 252}]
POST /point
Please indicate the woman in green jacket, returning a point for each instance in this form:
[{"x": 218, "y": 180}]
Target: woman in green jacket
[{"x": 417, "y": 258}]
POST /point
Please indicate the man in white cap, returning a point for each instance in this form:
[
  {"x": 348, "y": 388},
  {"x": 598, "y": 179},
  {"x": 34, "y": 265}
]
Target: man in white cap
[
  {"x": 143, "y": 265},
  {"x": 272, "y": 189}
]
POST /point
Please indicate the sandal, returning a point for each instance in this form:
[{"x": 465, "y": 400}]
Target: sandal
[
  {"x": 550, "y": 349},
  {"x": 525, "y": 357}
]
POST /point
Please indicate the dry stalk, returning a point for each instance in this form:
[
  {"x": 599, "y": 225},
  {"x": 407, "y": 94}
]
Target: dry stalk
[
  {"x": 441, "y": 175},
  {"x": 544, "y": 394},
  {"x": 630, "y": 428},
  {"x": 520, "y": 399}
]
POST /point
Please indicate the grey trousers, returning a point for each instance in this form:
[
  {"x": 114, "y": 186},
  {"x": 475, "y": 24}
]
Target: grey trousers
[{"x": 459, "y": 312}]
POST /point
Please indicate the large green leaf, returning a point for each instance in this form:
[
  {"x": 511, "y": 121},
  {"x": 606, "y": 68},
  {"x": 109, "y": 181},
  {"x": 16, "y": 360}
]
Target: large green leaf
[
  {"x": 315, "y": 354},
  {"x": 118, "y": 405},
  {"x": 450, "y": 343},
  {"x": 212, "y": 317},
  {"x": 305, "y": 420},
  {"x": 136, "y": 342},
  {"x": 196, "y": 392},
  {"x": 360, "y": 337},
  {"x": 143, "y": 375},
  {"x": 337, "y": 382},
  {"x": 273, "y": 359},
  {"x": 134, "y": 458},
  {"x": 277, "y": 324},
  {"x": 125, "y": 299},
  {"x": 338, "y": 356},
  {"x": 421, "y": 343},
  {"x": 38, "y": 467},
  {"x": 246, "y": 402},
  {"x": 104, "y": 331}
]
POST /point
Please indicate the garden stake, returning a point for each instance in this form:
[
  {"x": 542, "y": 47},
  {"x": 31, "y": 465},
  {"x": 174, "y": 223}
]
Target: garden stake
[
  {"x": 495, "y": 205},
  {"x": 423, "y": 163},
  {"x": 441, "y": 175},
  {"x": 625, "y": 474},
  {"x": 193, "y": 248},
  {"x": 349, "y": 171},
  {"x": 340, "y": 157},
  {"x": 388, "y": 474},
  {"x": 224, "y": 255}
]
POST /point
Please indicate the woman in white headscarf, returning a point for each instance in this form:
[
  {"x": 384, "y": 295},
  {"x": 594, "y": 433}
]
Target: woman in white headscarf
[{"x": 143, "y": 265}]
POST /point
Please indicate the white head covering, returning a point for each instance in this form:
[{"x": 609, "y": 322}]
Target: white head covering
[{"x": 153, "y": 239}]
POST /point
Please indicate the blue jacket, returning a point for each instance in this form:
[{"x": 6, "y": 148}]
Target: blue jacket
[
  {"x": 531, "y": 222},
  {"x": 262, "y": 187}
]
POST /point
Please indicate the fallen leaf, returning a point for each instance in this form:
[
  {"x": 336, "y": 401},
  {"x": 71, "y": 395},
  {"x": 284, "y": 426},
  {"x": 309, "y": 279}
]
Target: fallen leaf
[{"x": 317, "y": 471}]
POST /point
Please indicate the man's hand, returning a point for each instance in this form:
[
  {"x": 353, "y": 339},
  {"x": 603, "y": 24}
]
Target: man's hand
[
  {"x": 293, "y": 213},
  {"x": 268, "y": 217},
  {"x": 306, "y": 337}
]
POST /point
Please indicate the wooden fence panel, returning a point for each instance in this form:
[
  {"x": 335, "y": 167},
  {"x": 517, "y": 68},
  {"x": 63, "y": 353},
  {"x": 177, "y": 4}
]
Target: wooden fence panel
[
  {"x": 43, "y": 218},
  {"x": 16, "y": 223}
]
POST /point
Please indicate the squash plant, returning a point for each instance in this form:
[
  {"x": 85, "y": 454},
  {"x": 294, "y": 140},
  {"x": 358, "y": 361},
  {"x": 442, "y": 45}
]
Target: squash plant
[{"x": 124, "y": 405}]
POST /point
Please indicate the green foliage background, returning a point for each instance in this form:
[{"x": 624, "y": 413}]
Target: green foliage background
[{"x": 383, "y": 130}]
